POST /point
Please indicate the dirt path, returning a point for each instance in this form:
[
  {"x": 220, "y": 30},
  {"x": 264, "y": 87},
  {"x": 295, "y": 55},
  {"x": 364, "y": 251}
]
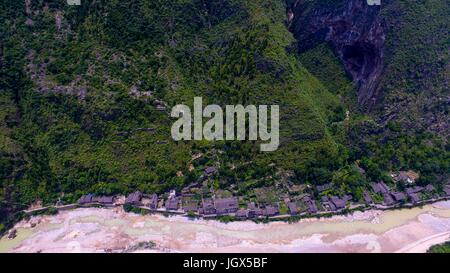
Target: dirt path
[
  {"x": 424, "y": 244},
  {"x": 100, "y": 230}
]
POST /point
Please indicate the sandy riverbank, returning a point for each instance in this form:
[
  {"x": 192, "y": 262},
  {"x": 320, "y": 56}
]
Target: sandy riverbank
[{"x": 100, "y": 230}]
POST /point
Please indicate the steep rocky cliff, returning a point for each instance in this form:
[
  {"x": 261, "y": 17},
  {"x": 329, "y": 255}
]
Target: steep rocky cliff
[
  {"x": 355, "y": 31},
  {"x": 396, "y": 54}
]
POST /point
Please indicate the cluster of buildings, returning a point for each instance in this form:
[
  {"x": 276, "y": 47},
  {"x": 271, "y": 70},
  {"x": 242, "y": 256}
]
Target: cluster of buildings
[
  {"x": 394, "y": 197},
  {"x": 310, "y": 204},
  {"x": 90, "y": 199},
  {"x": 186, "y": 203},
  {"x": 335, "y": 203},
  {"x": 253, "y": 211},
  {"x": 208, "y": 207},
  {"x": 406, "y": 176}
]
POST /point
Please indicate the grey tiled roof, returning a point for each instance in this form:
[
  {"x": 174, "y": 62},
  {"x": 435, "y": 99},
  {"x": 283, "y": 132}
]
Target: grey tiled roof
[
  {"x": 226, "y": 203},
  {"x": 210, "y": 170},
  {"x": 367, "y": 197},
  {"x": 380, "y": 187},
  {"x": 388, "y": 199},
  {"x": 292, "y": 208},
  {"x": 207, "y": 207},
  {"x": 415, "y": 189},
  {"x": 312, "y": 208},
  {"x": 338, "y": 202},
  {"x": 271, "y": 211},
  {"x": 399, "y": 196},
  {"x": 242, "y": 213},
  {"x": 106, "y": 199},
  {"x": 414, "y": 198},
  {"x": 85, "y": 199},
  {"x": 447, "y": 190},
  {"x": 153, "y": 201},
  {"x": 325, "y": 187},
  {"x": 172, "y": 203},
  {"x": 134, "y": 198},
  {"x": 429, "y": 188}
]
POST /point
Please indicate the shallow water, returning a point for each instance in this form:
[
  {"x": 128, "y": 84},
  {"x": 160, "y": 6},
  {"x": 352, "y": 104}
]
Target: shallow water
[
  {"x": 387, "y": 221},
  {"x": 97, "y": 229},
  {"x": 7, "y": 244}
]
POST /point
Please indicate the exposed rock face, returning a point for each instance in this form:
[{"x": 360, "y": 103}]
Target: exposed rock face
[{"x": 355, "y": 31}]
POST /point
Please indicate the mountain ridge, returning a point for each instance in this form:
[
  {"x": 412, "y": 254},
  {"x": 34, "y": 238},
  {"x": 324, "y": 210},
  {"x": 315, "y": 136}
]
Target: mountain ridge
[{"x": 79, "y": 84}]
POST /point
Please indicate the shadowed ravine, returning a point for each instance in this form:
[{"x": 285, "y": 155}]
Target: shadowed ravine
[{"x": 356, "y": 33}]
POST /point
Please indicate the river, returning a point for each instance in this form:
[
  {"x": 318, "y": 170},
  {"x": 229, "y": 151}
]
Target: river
[{"x": 113, "y": 230}]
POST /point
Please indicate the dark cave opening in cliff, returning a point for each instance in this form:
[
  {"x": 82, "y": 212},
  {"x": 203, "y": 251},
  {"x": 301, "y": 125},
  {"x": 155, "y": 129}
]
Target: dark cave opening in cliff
[
  {"x": 353, "y": 58},
  {"x": 359, "y": 59}
]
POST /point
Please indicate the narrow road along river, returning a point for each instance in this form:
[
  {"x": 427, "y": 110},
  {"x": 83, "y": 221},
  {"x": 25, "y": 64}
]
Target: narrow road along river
[{"x": 100, "y": 230}]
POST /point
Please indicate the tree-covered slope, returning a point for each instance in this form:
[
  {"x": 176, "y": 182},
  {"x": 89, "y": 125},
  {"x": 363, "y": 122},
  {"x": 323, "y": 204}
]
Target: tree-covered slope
[
  {"x": 396, "y": 55},
  {"x": 86, "y": 93},
  {"x": 441, "y": 248}
]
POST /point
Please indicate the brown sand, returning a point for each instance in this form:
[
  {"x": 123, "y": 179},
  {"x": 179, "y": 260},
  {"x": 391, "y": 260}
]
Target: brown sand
[{"x": 100, "y": 230}]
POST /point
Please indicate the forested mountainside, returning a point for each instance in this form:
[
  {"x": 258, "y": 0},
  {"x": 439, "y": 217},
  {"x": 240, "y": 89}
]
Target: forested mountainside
[
  {"x": 86, "y": 93},
  {"x": 395, "y": 53}
]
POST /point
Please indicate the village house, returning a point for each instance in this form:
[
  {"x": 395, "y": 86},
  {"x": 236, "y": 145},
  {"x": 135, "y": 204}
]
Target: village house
[
  {"x": 408, "y": 176},
  {"x": 310, "y": 204},
  {"x": 447, "y": 190},
  {"x": 185, "y": 191},
  {"x": 226, "y": 205},
  {"x": 339, "y": 203},
  {"x": 207, "y": 207},
  {"x": 190, "y": 206},
  {"x": 161, "y": 108},
  {"x": 429, "y": 188},
  {"x": 348, "y": 198},
  {"x": 190, "y": 188},
  {"x": 380, "y": 187},
  {"x": 413, "y": 192},
  {"x": 367, "y": 198},
  {"x": 134, "y": 199},
  {"x": 85, "y": 199},
  {"x": 387, "y": 199},
  {"x": 253, "y": 210},
  {"x": 292, "y": 206},
  {"x": 106, "y": 200},
  {"x": 209, "y": 171},
  {"x": 327, "y": 203},
  {"x": 399, "y": 196},
  {"x": 242, "y": 214},
  {"x": 415, "y": 189},
  {"x": 414, "y": 198},
  {"x": 322, "y": 188},
  {"x": 172, "y": 203},
  {"x": 270, "y": 211},
  {"x": 251, "y": 205},
  {"x": 100, "y": 200},
  {"x": 153, "y": 204},
  {"x": 312, "y": 207}
]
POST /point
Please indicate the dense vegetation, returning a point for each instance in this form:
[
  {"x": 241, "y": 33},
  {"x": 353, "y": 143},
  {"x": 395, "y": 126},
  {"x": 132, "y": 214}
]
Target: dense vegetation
[
  {"x": 80, "y": 88},
  {"x": 442, "y": 248}
]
